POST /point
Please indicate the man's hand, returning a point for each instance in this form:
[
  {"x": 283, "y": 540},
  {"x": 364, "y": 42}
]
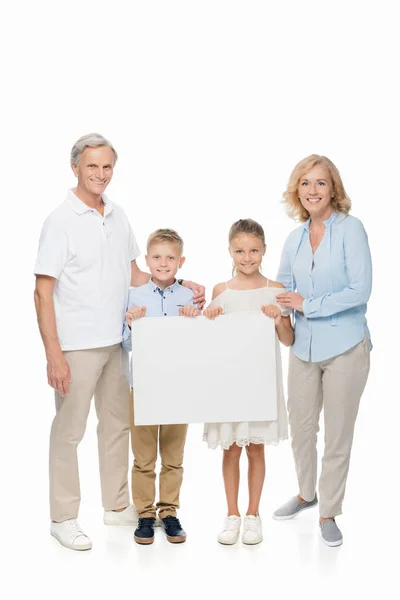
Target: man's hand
[
  {"x": 58, "y": 374},
  {"x": 189, "y": 311},
  {"x": 134, "y": 312},
  {"x": 274, "y": 312},
  {"x": 199, "y": 292},
  {"x": 291, "y": 300},
  {"x": 211, "y": 313}
]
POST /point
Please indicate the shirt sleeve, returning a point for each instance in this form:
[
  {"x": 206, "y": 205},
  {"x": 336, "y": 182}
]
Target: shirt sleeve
[
  {"x": 126, "y": 337},
  {"x": 53, "y": 250},
  {"x": 126, "y": 330},
  {"x": 285, "y": 275},
  {"x": 133, "y": 247},
  {"x": 359, "y": 270}
]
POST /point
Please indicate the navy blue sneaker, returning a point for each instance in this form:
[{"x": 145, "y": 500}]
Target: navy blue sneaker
[
  {"x": 173, "y": 529},
  {"x": 144, "y": 533}
]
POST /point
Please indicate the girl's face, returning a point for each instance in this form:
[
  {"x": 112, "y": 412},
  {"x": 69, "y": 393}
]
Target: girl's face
[
  {"x": 247, "y": 251},
  {"x": 316, "y": 192}
]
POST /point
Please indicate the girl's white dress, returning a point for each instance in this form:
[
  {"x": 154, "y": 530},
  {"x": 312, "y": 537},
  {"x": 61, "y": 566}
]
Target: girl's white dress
[{"x": 254, "y": 432}]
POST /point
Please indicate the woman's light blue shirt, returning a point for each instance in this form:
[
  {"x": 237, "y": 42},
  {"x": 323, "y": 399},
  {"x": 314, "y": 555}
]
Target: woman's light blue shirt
[{"x": 335, "y": 291}]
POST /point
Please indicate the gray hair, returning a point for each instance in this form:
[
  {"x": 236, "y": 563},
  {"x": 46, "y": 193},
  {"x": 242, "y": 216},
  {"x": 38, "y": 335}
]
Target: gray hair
[{"x": 91, "y": 140}]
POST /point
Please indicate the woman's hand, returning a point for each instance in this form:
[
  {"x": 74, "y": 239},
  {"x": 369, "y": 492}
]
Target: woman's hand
[
  {"x": 189, "y": 311},
  {"x": 291, "y": 300},
  {"x": 274, "y": 312},
  {"x": 211, "y": 313},
  {"x": 134, "y": 312},
  {"x": 199, "y": 292}
]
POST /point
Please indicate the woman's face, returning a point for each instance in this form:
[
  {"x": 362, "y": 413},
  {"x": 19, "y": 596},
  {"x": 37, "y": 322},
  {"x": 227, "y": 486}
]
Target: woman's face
[{"x": 316, "y": 192}]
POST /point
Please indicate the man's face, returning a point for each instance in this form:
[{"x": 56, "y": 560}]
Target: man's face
[
  {"x": 95, "y": 169},
  {"x": 164, "y": 260}
]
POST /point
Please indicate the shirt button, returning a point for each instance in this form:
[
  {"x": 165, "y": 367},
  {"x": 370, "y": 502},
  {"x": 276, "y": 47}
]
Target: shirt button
[
  {"x": 165, "y": 314},
  {"x": 164, "y": 297}
]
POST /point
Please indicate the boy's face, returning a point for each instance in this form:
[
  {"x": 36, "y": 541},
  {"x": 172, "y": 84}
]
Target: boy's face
[{"x": 164, "y": 260}]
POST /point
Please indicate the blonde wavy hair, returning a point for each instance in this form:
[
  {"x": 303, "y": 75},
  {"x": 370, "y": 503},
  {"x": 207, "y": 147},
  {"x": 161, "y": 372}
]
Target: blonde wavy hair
[{"x": 294, "y": 208}]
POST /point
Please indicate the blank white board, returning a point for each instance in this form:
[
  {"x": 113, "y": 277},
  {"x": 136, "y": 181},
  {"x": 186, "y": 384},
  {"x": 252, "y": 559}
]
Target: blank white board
[{"x": 193, "y": 370}]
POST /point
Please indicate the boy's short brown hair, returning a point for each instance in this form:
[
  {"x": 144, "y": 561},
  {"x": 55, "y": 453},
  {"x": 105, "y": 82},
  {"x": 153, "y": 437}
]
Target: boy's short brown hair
[{"x": 165, "y": 235}]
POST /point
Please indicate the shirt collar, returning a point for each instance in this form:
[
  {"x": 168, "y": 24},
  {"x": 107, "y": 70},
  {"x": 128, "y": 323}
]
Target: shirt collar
[
  {"x": 327, "y": 223},
  {"x": 80, "y": 207},
  {"x": 154, "y": 287}
]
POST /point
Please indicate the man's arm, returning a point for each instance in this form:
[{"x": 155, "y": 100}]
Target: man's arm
[
  {"x": 138, "y": 277},
  {"x": 199, "y": 292},
  {"x": 58, "y": 373}
]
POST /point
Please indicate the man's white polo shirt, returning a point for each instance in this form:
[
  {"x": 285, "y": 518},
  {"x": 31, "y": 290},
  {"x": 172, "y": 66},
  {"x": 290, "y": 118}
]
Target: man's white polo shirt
[{"x": 90, "y": 256}]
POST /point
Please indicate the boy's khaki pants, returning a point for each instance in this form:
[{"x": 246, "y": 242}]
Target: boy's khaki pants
[
  {"x": 144, "y": 441},
  {"x": 104, "y": 374},
  {"x": 336, "y": 384}
]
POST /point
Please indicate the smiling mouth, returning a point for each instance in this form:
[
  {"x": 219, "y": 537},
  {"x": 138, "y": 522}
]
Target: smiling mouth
[{"x": 313, "y": 200}]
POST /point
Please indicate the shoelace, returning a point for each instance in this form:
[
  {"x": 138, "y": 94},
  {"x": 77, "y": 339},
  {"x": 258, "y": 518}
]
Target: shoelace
[
  {"x": 74, "y": 528},
  {"x": 146, "y": 522},
  {"x": 231, "y": 524},
  {"x": 251, "y": 524},
  {"x": 170, "y": 520}
]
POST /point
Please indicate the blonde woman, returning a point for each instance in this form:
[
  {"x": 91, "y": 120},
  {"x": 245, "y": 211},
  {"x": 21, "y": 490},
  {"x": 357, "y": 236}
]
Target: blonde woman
[{"x": 326, "y": 264}]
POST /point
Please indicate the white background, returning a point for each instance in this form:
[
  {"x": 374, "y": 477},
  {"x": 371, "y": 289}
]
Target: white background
[{"x": 210, "y": 105}]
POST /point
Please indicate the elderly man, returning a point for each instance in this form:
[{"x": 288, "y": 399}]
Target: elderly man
[{"x": 86, "y": 260}]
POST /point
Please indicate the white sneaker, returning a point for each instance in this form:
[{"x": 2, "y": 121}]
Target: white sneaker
[
  {"x": 70, "y": 535},
  {"x": 128, "y": 517},
  {"x": 230, "y": 532},
  {"x": 252, "y": 532}
]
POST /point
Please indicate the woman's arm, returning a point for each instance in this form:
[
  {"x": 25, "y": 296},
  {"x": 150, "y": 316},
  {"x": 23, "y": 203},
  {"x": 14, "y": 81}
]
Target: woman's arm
[
  {"x": 285, "y": 275},
  {"x": 359, "y": 271}
]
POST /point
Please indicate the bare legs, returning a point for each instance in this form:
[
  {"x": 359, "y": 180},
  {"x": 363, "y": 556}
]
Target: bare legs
[
  {"x": 230, "y": 471},
  {"x": 256, "y": 475}
]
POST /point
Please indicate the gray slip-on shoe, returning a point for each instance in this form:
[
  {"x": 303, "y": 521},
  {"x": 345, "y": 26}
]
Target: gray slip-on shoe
[
  {"x": 292, "y": 508},
  {"x": 330, "y": 533}
]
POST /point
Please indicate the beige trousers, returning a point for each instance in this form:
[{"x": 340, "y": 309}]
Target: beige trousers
[
  {"x": 104, "y": 374},
  {"x": 336, "y": 384},
  {"x": 145, "y": 440}
]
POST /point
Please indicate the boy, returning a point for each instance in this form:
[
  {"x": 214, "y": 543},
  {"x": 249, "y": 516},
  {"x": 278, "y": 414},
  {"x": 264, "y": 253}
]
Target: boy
[{"x": 161, "y": 296}]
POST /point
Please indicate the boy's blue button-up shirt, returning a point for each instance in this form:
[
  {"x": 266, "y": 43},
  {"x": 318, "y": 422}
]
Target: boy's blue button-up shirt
[
  {"x": 158, "y": 303},
  {"x": 335, "y": 291}
]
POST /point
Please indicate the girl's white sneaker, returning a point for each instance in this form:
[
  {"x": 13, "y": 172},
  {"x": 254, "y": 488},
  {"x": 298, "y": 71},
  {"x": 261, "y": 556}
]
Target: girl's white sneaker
[
  {"x": 252, "y": 531},
  {"x": 231, "y": 529}
]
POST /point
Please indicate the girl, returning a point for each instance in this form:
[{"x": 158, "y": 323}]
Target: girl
[{"x": 248, "y": 290}]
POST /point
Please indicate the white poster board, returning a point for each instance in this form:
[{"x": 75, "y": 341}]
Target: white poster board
[{"x": 193, "y": 370}]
